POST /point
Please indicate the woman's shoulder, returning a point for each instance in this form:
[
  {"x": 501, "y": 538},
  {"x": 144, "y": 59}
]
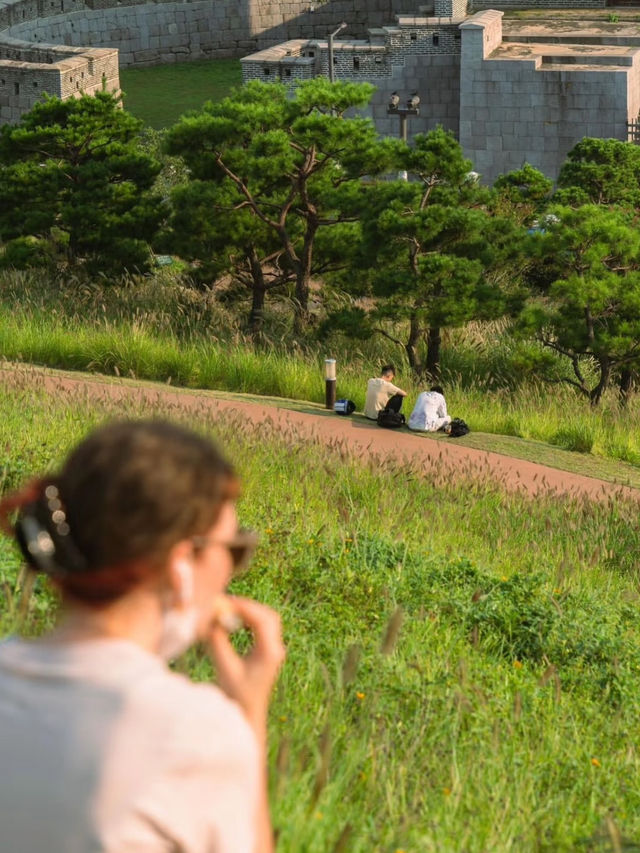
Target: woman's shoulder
[{"x": 147, "y": 689}]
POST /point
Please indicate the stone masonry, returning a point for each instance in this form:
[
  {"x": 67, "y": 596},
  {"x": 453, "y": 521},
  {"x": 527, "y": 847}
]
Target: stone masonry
[
  {"x": 532, "y": 102},
  {"x": 64, "y": 47},
  {"x": 512, "y": 93},
  {"x": 528, "y": 94}
]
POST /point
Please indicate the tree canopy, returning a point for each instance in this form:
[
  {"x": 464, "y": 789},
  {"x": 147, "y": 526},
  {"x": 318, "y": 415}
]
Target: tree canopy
[
  {"x": 600, "y": 171},
  {"x": 426, "y": 247},
  {"x": 283, "y": 159},
  {"x": 88, "y": 185},
  {"x": 591, "y": 313}
]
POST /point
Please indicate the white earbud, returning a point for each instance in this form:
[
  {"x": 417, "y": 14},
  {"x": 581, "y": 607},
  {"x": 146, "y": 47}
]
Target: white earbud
[{"x": 184, "y": 570}]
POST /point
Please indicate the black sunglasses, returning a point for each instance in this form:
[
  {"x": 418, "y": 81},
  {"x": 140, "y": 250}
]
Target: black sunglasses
[{"x": 241, "y": 547}]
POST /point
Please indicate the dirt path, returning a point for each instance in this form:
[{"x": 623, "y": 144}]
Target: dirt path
[{"x": 358, "y": 436}]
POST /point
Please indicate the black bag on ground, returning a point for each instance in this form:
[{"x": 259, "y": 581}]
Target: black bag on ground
[
  {"x": 389, "y": 419},
  {"x": 344, "y": 407},
  {"x": 458, "y": 428}
]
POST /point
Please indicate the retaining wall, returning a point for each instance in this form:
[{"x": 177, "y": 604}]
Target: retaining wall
[
  {"x": 517, "y": 111},
  {"x": 150, "y": 33}
]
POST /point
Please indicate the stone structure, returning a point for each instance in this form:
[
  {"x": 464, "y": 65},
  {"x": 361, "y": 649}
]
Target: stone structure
[
  {"x": 525, "y": 93},
  {"x": 416, "y": 54},
  {"x": 513, "y": 93},
  {"x": 27, "y": 70},
  {"x": 168, "y": 31},
  {"x": 534, "y": 100},
  {"x": 64, "y": 47}
]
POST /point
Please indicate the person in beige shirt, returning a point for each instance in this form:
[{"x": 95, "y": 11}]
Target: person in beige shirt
[
  {"x": 102, "y": 746},
  {"x": 383, "y": 394}
]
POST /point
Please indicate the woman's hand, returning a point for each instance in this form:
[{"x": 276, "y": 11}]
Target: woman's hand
[{"x": 249, "y": 679}]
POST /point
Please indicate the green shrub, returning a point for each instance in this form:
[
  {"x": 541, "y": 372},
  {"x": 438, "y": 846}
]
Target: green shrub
[{"x": 579, "y": 437}]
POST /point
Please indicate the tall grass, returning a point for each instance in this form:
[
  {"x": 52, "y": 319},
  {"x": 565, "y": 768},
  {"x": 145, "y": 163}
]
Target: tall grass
[
  {"x": 160, "y": 330},
  {"x": 462, "y": 667}
]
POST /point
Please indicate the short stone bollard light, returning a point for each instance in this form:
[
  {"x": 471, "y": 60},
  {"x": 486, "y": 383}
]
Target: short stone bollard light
[{"x": 330, "y": 382}]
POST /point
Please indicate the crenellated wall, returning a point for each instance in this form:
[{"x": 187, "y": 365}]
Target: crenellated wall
[
  {"x": 65, "y": 47},
  {"x": 163, "y": 31},
  {"x": 531, "y": 103},
  {"x": 27, "y": 72}
]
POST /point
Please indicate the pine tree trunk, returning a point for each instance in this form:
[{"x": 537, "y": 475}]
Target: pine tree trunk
[
  {"x": 256, "y": 315},
  {"x": 434, "y": 341},
  {"x": 627, "y": 383},
  {"x": 601, "y": 387},
  {"x": 301, "y": 308},
  {"x": 301, "y": 315},
  {"x": 411, "y": 346}
]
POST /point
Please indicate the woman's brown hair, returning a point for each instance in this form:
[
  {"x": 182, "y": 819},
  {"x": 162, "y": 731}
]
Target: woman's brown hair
[{"x": 123, "y": 498}]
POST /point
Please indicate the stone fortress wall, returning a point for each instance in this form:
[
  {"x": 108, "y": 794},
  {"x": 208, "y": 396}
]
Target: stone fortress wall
[
  {"x": 65, "y": 47},
  {"x": 417, "y": 53},
  {"x": 525, "y": 92},
  {"x": 510, "y": 94},
  {"x": 27, "y": 70},
  {"x": 149, "y": 33},
  {"x": 532, "y": 102}
]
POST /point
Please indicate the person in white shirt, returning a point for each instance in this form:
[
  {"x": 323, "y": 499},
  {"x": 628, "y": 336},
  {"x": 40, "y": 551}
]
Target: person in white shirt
[
  {"x": 430, "y": 411},
  {"x": 102, "y": 746},
  {"x": 383, "y": 394}
]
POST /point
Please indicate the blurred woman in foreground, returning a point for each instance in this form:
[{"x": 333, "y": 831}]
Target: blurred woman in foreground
[{"x": 102, "y": 747}]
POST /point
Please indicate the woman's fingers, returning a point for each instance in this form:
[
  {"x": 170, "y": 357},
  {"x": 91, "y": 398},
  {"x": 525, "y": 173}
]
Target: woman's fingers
[
  {"x": 265, "y": 625},
  {"x": 249, "y": 679}
]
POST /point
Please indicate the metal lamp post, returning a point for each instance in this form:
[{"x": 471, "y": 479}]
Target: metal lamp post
[
  {"x": 332, "y": 76},
  {"x": 329, "y": 382},
  {"x": 411, "y": 109}
]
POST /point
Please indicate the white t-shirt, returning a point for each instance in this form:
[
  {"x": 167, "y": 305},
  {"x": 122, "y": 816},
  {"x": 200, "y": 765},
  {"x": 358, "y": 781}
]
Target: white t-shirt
[
  {"x": 428, "y": 411},
  {"x": 379, "y": 392},
  {"x": 102, "y": 748}
]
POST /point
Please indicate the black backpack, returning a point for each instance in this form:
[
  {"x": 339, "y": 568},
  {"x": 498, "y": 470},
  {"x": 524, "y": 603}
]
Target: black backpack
[
  {"x": 458, "y": 428},
  {"x": 390, "y": 419},
  {"x": 344, "y": 407}
]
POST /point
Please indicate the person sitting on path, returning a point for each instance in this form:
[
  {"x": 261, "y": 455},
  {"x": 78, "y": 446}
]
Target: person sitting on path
[
  {"x": 430, "y": 411},
  {"x": 102, "y": 746},
  {"x": 383, "y": 394}
]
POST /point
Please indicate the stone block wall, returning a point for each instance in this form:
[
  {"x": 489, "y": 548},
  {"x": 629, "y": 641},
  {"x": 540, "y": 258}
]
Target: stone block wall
[
  {"x": 163, "y": 31},
  {"x": 450, "y": 8},
  {"x": 273, "y": 22},
  {"x": 146, "y": 34},
  {"x": 436, "y": 78},
  {"x": 56, "y": 71},
  {"x": 419, "y": 36},
  {"x": 478, "y": 5},
  {"x": 517, "y": 111},
  {"x": 384, "y": 55}
]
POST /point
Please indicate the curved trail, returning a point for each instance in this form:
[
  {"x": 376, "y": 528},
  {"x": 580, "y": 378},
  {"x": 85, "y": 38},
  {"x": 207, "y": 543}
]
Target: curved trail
[{"x": 358, "y": 437}]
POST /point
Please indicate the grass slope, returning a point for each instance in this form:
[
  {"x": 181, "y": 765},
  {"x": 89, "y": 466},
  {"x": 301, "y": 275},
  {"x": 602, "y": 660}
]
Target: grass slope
[
  {"x": 609, "y": 470},
  {"x": 159, "y": 95},
  {"x": 462, "y": 667},
  {"x": 160, "y": 330}
]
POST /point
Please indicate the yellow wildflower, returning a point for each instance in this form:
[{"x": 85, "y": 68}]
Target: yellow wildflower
[
  {"x": 517, "y": 664},
  {"x": 595, "y": 762}
]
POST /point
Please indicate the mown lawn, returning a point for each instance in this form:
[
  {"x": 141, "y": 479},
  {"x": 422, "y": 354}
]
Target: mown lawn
[
  {"x": 159, "y": 95},
  {"x": 463, "y": 663}
]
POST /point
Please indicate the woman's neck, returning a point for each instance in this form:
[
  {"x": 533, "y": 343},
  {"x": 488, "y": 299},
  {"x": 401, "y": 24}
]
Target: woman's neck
[{"x": 135, "y": 617}]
